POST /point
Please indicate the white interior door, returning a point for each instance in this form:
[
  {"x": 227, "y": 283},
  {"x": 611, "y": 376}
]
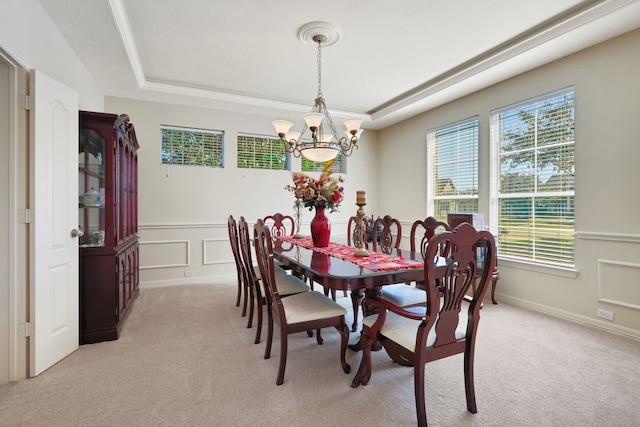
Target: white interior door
[{"x": 54, "y": 203}]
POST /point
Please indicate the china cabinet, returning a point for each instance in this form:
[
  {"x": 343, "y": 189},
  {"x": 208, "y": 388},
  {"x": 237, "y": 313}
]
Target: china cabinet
[{"x": 108, "y": 216}]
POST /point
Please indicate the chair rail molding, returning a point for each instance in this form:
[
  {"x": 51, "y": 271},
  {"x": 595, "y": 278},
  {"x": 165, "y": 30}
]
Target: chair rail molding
[
  {"x": 176, "y": 226},
  {"x": 612, "y": 237}
]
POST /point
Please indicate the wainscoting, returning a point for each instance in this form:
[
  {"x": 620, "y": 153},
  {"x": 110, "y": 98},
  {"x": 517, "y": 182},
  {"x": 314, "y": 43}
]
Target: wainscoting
[{"x": 176, "y": 254}]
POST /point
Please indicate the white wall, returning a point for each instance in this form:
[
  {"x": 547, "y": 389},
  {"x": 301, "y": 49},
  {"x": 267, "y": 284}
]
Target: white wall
[
  {"x": 29, "y": 35},
  {"x": 607, "y": 104},
  {"x": 183, "y": 210}
]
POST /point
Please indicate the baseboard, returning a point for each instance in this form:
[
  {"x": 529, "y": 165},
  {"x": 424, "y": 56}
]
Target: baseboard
[
  {"x": 214, "y": 280},
  {"x": 620, "y": 330}
]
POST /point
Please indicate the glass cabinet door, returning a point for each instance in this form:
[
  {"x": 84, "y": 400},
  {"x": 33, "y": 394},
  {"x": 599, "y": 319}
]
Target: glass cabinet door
[{"x": 91, "y": 188}]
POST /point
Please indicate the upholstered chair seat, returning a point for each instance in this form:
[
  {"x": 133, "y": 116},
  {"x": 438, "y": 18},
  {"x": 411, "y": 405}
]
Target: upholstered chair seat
[
  {"x": 404, "y": 295},
  {"x": 403, "y": 330},
  {"x": 310, "y": 306}
]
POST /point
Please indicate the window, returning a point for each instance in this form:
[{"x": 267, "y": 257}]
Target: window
[
  {"x": 262, "y": 152},
  {"x": 532, "y": 212},
  {"x": 339, "y": 165},
  {"x": 452, "y": 183},
  {"x": 184, "y": 146}
]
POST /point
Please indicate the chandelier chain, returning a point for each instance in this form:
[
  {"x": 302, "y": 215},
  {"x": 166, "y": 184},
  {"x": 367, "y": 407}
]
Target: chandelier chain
[{"x": 319, "y": 69}]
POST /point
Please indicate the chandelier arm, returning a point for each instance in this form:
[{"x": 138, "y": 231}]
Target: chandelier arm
[{"x": 347, "y": 145}]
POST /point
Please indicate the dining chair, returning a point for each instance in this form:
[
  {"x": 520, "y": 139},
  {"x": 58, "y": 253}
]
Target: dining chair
[
  {"x": 280, "y": 225},
  {"x": 295, "y": 313},
  {"x": 448, "y": 322},
  {"x": 232, "y": 227},
  {"x": 404, "y": 294},
  {"x": 289, "y": 284},
  {"x": 387, "y": 236}
]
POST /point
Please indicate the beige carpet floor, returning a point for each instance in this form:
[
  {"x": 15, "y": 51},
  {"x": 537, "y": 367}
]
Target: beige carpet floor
[{"x": 186, "y": 358}]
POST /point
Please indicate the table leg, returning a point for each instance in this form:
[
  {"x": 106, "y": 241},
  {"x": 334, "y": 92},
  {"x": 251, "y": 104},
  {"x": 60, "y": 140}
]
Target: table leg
[
  {"x": 494, "y": 281},
  {"x": 369, "y": 306}
]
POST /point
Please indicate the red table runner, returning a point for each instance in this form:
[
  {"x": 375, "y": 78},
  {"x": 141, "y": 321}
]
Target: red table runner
[{"x": 375, "y": 260}]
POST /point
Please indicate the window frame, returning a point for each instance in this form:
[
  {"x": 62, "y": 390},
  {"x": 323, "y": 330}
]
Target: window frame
[{"x": 538, "y": 256}]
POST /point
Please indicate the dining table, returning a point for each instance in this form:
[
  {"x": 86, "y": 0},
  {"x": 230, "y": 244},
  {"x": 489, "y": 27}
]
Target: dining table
[{"x": 335, "y": 267}]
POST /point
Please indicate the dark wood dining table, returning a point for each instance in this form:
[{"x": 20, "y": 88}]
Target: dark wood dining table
[{"x": 339, "y": 274}]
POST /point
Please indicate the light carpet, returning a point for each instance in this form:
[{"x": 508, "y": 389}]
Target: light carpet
[{"x": 186, "y": 358}]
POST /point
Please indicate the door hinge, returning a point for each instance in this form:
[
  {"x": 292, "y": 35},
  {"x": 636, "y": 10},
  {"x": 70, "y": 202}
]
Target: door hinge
[
  {"x": 25, "y": 216},
  {"x": 26, "y": 329},
  {"x": 26, "y": 102}
]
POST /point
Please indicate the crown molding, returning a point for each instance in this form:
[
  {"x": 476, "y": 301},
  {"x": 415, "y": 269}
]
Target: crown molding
[{"x": 466, "y": 78}]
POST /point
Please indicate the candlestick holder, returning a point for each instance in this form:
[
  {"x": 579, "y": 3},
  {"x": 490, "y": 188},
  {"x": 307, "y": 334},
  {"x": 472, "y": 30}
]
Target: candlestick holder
[
  {"x": 298, "y": 208},
  {"x": 360, "y": 234}
]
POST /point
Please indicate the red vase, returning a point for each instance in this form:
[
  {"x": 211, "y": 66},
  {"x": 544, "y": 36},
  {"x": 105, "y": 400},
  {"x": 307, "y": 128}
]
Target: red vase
[{"x": 320, "y": 228}]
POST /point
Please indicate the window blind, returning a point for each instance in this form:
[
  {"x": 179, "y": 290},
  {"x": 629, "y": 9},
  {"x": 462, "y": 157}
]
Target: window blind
[
  {"x": 186, "y": 146},
  {"x": 535, "y": 179},
  {"x": 262, "y": 152},
  {"x": 453, "y": 168},
  {"x": 339, "y": 165}
]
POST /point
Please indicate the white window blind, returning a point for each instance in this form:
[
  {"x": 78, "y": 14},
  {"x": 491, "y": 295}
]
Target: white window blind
[
  {"x": 533, "y": 170},
  {"x": 339, "y": 165},
  {"x": 452, "y": 183},
  {"x": 187, "y": 146},
  {"x": 262, "y": 152}
]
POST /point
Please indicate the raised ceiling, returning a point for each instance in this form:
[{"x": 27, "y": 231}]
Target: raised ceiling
[{"x": 394, "y": 59}]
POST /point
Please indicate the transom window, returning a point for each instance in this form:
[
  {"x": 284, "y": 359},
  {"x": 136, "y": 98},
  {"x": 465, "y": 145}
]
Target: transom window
[
  {"x": 452, "y": 182},
  {"x": 262, "y": 152},
  {"x": 533, "y": 167},
  {"x": 187, "y": 146},
  {"x": 339, "y": 165}
]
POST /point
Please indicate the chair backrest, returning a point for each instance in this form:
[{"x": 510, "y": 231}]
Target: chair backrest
[
  {"x": 245, "y": 252},
  {"x": 264, "y": 252},
  {"x": 352, "y": 232},
  {"x": 390, "y": 234},
  {"x": 280, "y": 225},
  {"x": 447, "y": 284},
  {"x": 423, "y": 231},
  {"x": 232, "y": 226}
]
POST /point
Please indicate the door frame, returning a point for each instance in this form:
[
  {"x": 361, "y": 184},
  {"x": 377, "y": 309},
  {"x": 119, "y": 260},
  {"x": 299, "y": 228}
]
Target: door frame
[{"x": 17, "y": 246}]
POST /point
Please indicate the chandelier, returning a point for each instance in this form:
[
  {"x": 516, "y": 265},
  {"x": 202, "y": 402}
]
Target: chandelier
[{"x": 325, "y": 143}]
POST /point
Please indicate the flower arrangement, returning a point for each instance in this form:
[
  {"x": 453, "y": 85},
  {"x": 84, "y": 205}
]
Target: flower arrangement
[{"x": 325, "y": 191}]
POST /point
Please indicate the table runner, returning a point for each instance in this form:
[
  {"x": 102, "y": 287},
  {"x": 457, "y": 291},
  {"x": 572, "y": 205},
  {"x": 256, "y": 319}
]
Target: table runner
[{"x": 375, "y": 261}]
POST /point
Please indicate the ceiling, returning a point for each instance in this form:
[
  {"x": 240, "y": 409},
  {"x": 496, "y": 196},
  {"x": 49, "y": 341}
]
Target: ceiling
[{"x": 393, "y": 59}]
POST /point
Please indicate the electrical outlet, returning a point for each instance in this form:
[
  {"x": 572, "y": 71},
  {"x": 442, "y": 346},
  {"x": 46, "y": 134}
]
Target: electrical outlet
[
  {"x": 605, "y": 314},
  {"x": 188, "y": 273}
]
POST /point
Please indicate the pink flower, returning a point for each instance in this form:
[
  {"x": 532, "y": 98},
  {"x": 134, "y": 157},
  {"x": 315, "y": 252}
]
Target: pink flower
[{"x": 325, "y": 191}]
